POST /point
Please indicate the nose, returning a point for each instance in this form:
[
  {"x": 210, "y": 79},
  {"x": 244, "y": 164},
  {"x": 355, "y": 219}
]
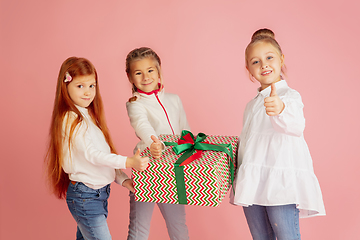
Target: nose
[
  {"x": 264, "y": 66},
  {"x": 87, "y": 92},
  {"x": 146, "y": 76}
]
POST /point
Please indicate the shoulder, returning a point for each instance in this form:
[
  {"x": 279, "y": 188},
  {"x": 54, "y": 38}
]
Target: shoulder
[
  {"x": 135, "y": 103},
  {"x": 171, "y": 97},
  {"x": 289, "y": 93},
  {"x": 70, "y": 117},
  {"x": 290, "y": 96},
  {"x": 135, "y": 106},
  {"x": 68, "y": 120}
]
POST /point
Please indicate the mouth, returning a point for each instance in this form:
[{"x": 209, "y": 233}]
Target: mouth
[
  {"x": 145, "y": 84},
  {"x": 266, "y": 73}
]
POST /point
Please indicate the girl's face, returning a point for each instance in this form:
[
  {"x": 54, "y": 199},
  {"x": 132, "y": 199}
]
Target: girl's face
[
  {"x": 144, "y": 74},
  {"x": 264, "y": 63},
  {"x": 82, "y": 90}
]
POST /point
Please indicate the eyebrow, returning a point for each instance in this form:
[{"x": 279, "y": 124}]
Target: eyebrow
[
  {"x": 135, "y": 70},
  {"x": 265, "y": 54},
  {"x": 90, "y": 83}
]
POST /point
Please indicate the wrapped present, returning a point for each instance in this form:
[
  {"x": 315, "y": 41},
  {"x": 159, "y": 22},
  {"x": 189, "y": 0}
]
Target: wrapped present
[{"x": 194, "y": 171}]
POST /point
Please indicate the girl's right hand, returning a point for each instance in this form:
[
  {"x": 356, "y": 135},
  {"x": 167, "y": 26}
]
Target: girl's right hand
[
  {"x": 137, "y": 162},
  {"x": 155, "y": 147},
  {"x": 129, "y": 184},
  {"x": 273, "y": 104}
]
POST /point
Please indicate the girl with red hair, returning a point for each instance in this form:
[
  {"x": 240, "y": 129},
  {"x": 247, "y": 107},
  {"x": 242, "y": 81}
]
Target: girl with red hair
[{"x": 81, "y": 158}]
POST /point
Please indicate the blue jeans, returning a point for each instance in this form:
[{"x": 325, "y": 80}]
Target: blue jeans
[
  {"x": 140, "y": 218},
  {"x": 273, "y": 222},
  {"x": 89, "y": 207}
]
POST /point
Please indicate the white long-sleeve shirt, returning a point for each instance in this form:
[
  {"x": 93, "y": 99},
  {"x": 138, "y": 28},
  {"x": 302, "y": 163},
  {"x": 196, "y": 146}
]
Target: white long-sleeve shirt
[
  {"x": 90, "y": 160},
  {"x": 276, "y": 166},
  {"x": 156, "y": 114}
]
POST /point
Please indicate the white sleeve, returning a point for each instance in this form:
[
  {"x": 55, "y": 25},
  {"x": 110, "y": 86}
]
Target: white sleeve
[
  {"x": 84, "y": 145},
  {"x": 291, "y": 120},
  {"x": 140, "y": 122}
]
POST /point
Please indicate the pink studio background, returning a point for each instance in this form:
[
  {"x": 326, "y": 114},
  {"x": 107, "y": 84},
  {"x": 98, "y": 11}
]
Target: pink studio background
[{"x": 201, "y": 44}]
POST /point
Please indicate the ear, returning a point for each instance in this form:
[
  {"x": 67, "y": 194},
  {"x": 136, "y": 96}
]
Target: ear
[{"x": 282, "y": 59}]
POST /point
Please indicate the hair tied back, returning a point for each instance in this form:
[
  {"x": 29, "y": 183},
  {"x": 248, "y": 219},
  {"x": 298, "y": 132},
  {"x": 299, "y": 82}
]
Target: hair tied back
[{"x": 263, "y": 33}]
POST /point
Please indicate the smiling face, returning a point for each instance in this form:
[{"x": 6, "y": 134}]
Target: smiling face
[
  {"x": 264, "y": 63},
  {"x": 144, "y": 74},
  {"x": 82, "y": 90}
]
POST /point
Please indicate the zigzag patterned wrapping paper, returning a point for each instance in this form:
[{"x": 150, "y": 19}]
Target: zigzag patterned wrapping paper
[{"x": 206, "y": 178}]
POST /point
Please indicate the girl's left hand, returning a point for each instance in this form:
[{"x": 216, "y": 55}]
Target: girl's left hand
[
  {"x": 273, "y": 104},
  {"x": 129, "y": 184}
]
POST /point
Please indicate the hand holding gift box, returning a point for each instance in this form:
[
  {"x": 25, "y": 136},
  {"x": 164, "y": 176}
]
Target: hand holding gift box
[{"x": 200, "y": 175}]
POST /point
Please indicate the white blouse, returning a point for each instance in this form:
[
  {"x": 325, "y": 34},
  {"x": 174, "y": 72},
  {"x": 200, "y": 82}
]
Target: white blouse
[
  {"x": 90, "y": 160},
  {"x": 276, "y": 166},
  {"x": 156, "y": 114}
]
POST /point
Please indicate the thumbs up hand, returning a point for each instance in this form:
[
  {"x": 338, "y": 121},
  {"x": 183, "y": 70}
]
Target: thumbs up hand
[
  {"x": 273, "y": 104},
  {"x": 155, "y": 147},
  {"x": 137, "y": 162}
]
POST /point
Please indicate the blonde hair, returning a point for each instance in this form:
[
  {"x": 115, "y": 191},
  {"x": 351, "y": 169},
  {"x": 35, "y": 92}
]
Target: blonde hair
[
  {"x": 139, "y": 54},
  {"x": 63, "y": 104},
  {"x": 267, "y": 36}
]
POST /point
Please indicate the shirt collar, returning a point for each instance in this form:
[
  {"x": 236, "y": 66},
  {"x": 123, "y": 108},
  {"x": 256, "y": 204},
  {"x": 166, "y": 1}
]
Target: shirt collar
[
  {"x": 149, "y": 95},
  {"x": 156, "y": 91},
  {"x": 266, "y": 92}
]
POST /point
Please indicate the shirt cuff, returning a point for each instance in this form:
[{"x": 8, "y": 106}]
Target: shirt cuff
[
  {"x": 120, "y": 177},
  {"x": 122, "y": 164}
]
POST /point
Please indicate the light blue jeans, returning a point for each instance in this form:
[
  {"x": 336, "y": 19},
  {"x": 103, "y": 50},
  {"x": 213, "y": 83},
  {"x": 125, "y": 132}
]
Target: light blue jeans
[
  {"x": 89, "y": 207},
  {"x": 140, "y": 218},
  {"x": 273, "y": 222}
]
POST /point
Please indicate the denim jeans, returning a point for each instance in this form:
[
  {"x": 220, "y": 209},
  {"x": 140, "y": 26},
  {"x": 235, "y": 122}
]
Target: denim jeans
[
  {"x": 273, "y": 222},
  {"x": 140, "y": 218},
  {"x": 89, "y": 207}
]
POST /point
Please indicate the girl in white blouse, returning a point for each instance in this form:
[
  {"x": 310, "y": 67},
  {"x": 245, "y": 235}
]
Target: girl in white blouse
[
  {"x": 81, "y": 159},
  {"x": 152, "y": 112},
  {"x": 275, "y": 182}
]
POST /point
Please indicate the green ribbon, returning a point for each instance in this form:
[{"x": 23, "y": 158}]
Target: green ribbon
[{"x": 188, "y": 144}]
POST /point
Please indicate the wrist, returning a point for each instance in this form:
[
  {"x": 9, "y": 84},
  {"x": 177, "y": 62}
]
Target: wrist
[
  {"x": 124, "y": 182},
  {"x": 128, "y": 162}
]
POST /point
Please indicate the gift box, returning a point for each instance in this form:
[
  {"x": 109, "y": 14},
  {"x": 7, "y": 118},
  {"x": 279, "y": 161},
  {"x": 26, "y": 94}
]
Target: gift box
[{"x": 193, "y": 171}]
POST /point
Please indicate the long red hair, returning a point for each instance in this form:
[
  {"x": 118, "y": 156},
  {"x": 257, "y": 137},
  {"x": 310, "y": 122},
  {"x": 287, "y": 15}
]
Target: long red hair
[{"x": 57, "y": 178}]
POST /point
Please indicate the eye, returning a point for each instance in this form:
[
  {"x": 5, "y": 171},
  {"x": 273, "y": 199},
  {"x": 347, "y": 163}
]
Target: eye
[
  {"x": 80, "y": 86},
  {"x": 151, "y": 70},
  {"x": 92, "y": 85},
  {"x": 255, "y": 62},
  {"x": 269, "y": 57},
  {"x": 138, "y": 73}
]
